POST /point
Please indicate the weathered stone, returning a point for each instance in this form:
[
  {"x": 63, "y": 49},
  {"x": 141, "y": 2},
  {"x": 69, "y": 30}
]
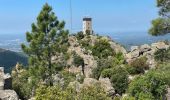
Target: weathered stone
[
  {"x": 106, "y": 84},
  {"x": 117, "y": 48},
  {"x": 145, "y": 48},
  {"x": 76, "y": 85},
  {"x": 90, "y": 81},
  {"x": 133, "y": 48},
  {"x": 168, "y": 94},
  {"x": 160, "y": 45},
  {"x": 58, "y": 80},
  {"x": 8, "y": 95}
]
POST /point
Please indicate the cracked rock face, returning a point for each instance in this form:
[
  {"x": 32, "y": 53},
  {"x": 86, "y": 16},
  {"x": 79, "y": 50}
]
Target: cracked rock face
[
  {"x": 146, "y": 50},
  {"x": 8, "y": 95}
]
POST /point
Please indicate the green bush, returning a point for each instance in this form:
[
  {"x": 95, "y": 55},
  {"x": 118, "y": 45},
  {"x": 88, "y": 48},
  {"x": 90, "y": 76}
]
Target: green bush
[
  {"x": 138, "y": 66},
  {"x": 107, "y": 73},
  {"x": 151, "y": 86},
  {"x": 78, "y": 61},
  {"x": 68, "y": 77},
  {"x": 80, "y": 35},
  {"x": 95, "y": 92},
  {"x": 22, "y": 85},
  {"x": 119, "y": 79},
  {"x": 101, "y": 65},
  {"x": 162, "y": 55},
  {"x": 102, "y": 49}
]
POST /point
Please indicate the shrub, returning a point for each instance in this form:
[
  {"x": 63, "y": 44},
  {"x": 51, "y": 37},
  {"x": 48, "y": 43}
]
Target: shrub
[
  {"x": 80, "y": 35},
  {"x": 102, "y": 49},
  {"x": 101, "y": 65},
  {"x": 139, "y": 66},
  {"x": 151, "y": 86},
  {"x": 21, "y": 85},
  {"x": 119, "y": 79},
  {"x": 162, "y": 55},
  {"x": 68, "y": 77},
  {"x": 94, "y": 92},
  {"x": 78, "y": 61},
  {"x": 107, "y": 73}
]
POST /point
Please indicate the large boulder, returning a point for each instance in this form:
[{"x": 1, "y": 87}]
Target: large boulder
[
  {"x": 106, "y": 84},
  {"x": 160, "y": 45},
  {"x": 147, "y": 51},
  {"x": 145, "y": 48},
  {"x": 8, "y": 95},
  {"x": 168, "y": 94}
]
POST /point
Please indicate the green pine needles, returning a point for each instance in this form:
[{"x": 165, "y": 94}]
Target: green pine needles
[{"x": 47, "y": 38}]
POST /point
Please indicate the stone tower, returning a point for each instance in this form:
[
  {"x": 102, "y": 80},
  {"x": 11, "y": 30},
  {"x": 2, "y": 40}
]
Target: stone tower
[{"x": 87, "y": 25}]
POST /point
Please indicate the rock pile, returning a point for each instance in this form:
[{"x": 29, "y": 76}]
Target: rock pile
[
  {"x": 146, "y": 50},
  {"x": 5, "y": 86}
]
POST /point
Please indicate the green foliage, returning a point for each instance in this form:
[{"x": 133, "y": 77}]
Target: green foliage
[
  {"x": 162, "y": 55},
  {"x": 46, "y": 39},
  {"x": 101, "y": 65},
  {"x": 107, "y": 73},
  {"x": 78, "y": 61},
  {"x": 151, "y": 86},
  {"x": 68, "y": 77},
  {"x": 119, "y": 58},
  {"x": 95, "y": 92},
  {"x": 138, "y": 66},
  {"x": 102, "y": 49},
  {"x": 80, "y": 35},
  {"x": 119, "y": 79},
  {"x": 85, "y": 43},
  {"x": 161, "y": 25},
  {"x": 56, "y": 93},
  {"x": 81, "y": 79},
  {"x": 21, "y": 84},
  {"x": 53, "y": 93}
]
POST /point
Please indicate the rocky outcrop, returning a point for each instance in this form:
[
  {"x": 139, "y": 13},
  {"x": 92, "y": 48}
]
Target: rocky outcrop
[
  {"x": 146, "y": 50},
  {"x": 8, "y": 95},
  {"x": 5, "y": 85},
  {"x": 104, "y": 83},
  {"x": 89, "y": 60},
  {"x": 168, "y": 94}
]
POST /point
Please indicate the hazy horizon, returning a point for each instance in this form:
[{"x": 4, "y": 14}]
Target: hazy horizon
[{"x": 108, "y": 16}]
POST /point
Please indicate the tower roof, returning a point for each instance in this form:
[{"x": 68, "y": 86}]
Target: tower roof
[{"x": 87, "y": 19}]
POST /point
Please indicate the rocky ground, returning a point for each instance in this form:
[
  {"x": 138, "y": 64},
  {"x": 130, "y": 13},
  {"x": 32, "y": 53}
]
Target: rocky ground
[
  {"x": 5, "y": 87},
  {"x": 90, "y": 63}
]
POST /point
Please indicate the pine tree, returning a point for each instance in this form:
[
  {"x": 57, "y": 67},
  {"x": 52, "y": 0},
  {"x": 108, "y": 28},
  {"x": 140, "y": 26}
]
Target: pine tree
[
  {"x": 161, "y": 25},
  {"x": 46, "y": 39}
]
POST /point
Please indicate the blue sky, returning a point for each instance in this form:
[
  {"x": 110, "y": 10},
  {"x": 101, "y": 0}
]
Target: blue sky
[{"x": 16, "y": 16}]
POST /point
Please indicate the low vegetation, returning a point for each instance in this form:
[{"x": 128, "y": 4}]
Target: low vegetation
[{"x": 48, "y": 40}]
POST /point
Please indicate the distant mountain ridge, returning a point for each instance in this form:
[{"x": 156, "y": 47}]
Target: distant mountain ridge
[{"x": 8, "y": 59}]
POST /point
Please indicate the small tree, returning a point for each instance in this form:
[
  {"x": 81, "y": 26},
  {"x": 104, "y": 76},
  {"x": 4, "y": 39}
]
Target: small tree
[
  {"x": 46, "y": 39},
  {"x": 162, "y": 55},
  {"x": 79, "y": 61},
  {"x": 161, "y": 25}
]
